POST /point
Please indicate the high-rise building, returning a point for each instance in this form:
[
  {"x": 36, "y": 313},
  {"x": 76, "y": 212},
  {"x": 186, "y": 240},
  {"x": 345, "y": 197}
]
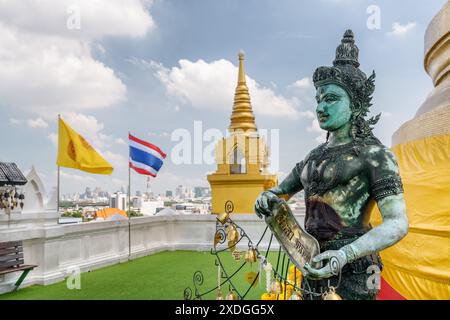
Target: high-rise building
[
  {"x": 119, "y": 200},
  {"x": 201, "y": 192},
  {"x": 88, "y": 193},
  {"x": 179, "y": 193}
]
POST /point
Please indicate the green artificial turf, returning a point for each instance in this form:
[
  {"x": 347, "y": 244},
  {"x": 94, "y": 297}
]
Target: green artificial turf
[{"x": 163, "y": 275}]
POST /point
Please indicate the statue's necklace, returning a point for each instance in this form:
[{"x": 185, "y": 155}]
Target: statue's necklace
[{"x": 316, "y": 183}]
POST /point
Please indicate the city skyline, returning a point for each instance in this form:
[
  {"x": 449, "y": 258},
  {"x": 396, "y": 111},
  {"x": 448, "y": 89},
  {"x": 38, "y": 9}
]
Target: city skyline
[{"x": 92, "y": 192}]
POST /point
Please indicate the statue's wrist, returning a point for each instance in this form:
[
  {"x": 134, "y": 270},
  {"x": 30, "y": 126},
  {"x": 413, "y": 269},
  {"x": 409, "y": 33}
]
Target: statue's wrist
[
  {"x": 275, "y": 191},
  {"x": 349, "y": 252}
]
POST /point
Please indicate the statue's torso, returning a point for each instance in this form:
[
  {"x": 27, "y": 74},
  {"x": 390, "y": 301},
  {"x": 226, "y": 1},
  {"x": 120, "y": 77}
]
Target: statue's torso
[{"x": 336, "y": 184}]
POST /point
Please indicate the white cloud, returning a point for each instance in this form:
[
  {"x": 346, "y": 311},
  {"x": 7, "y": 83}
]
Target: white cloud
[
  {"x": 118, "y": 161},
  {"x": 144, "y": 64},
  {"x": 315, "y": 128},
  {"x": 307, "y": 114},
  {"x": 304, "y": 83},
  {"x": 322, "y": 138},
  {"x": 37, "y": 123},
  {"x": 158, "y": 134},
  {"x": 119, "y": 182},
  {"x": 174, "y": 180},
  {"x": 97, "y": 19},
  {"x": 76, "y": 177},
  {"x": 386, "y": 114},
  {"x": 48, "y": 68},
  {"x": 15, "y": 121},
  {"x": 120, "y": 141},
  {"x": 211, "y": 86},
  {"x": 53, "y": 137},
  {"x": 400, "y": 30}
]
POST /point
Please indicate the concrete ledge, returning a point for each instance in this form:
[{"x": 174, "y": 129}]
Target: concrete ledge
[{"x": 93, "y": 245}]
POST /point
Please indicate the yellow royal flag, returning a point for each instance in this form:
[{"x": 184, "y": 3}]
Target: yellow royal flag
[{"x": 75, "y": 152}]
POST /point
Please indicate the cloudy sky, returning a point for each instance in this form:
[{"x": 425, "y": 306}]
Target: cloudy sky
[{"x": 152, "y": 67}]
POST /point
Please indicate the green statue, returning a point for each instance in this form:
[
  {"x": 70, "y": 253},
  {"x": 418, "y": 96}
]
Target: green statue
[{"x": 342, "y": 179}]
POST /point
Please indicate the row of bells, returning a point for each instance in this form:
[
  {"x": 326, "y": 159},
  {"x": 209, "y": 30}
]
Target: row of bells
[
  {"x": 251, "y": 255},
  {"x": 276, "y": 288},
  {"x": 230, "y": 296},
  {"x": 10, "y": 199}
]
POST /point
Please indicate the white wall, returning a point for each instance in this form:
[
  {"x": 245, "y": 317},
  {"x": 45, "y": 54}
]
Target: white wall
[{"x": 56, "y": 248}]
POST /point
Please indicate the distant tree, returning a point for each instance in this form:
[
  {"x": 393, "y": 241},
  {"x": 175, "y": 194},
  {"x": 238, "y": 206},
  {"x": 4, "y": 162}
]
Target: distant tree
[
  {"x": 135, "y": 214},
  {"x": 77, "y": 214},
  {"x": 66, "y": 204}
]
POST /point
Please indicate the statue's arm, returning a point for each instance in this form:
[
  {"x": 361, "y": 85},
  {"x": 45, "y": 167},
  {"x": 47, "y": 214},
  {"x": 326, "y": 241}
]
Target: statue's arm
[
  {"x": 386, "y": 188},
  {"x": 393, "y": 228},
  {"x": 290, "y": 185},
  {"x": 286, "y": 189}
]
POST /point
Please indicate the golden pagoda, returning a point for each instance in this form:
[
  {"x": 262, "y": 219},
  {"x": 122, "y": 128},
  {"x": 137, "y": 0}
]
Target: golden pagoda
[{"x": 241, "y": 157}]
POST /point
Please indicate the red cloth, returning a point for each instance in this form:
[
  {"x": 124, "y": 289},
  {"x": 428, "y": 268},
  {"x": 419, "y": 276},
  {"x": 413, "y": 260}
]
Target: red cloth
[{"x": 388, "y": 293}]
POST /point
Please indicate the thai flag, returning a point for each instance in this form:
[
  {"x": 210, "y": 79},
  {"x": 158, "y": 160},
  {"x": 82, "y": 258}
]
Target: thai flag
[{"x": 145, "y": 158}]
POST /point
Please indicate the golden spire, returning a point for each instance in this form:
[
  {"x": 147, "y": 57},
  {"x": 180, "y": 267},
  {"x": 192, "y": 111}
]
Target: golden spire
[{"x": 242, "y": 117}]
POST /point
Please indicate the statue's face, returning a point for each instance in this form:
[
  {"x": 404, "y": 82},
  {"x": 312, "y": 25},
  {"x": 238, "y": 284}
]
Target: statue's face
[{"x": 333, "y": 107}]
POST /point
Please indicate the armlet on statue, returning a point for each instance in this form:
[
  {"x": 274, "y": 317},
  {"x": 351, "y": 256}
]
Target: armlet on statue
[
  {"x": 386, "y": 186},
  {"x": 278, "y": 192},
  {"x": 350, "y": 253}
]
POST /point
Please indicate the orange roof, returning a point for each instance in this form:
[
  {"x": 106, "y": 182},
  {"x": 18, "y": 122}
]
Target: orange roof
[{"x": 107, "y": 212}]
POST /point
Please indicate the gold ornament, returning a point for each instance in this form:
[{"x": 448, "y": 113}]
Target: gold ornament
[
  {"x": 223, "y": 217},
  {"x": 250, "y": 256},
  {"x": 232, "y": 246},
  {"x": 217, "y": 238},
  {"x": 296, "y": 296},
  {"x": 250, "y": 278},
  {"x": 236, "y": 255},
  {"x": 233, "y": 235},
  {"x": 331, "y": 295},
  {"x": 275, "y": 286},
  {"x": 219, "y": 295},
  {"x": 231, "y": 295}
]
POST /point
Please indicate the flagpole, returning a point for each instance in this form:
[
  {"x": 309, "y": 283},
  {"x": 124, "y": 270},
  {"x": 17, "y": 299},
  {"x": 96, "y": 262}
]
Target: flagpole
[
  {"x": 58, "y": 175},
  {"x": 57, "y": 191},
  {"x": 129, "y": 206}
]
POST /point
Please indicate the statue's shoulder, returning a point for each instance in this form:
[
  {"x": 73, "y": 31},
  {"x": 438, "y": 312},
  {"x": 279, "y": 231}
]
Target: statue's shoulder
[
  {"x": 379, "y": 157},
  {"x": 374, "y": 150}
]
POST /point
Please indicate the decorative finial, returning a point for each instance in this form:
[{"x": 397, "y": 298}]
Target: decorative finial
[
  {"x": 241, "y": 75},
  {"x": 347, "y": 52}
]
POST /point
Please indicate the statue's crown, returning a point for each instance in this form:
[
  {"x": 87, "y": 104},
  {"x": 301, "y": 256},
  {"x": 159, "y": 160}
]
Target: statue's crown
[
  {"x": 347, "y": 52},
  {"x": 345, "y": 72}
]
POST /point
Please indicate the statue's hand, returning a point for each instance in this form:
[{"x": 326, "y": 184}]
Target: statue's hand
[
  {"x": 264, "y": 203},
  {"x": 336, "y": 259}
]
